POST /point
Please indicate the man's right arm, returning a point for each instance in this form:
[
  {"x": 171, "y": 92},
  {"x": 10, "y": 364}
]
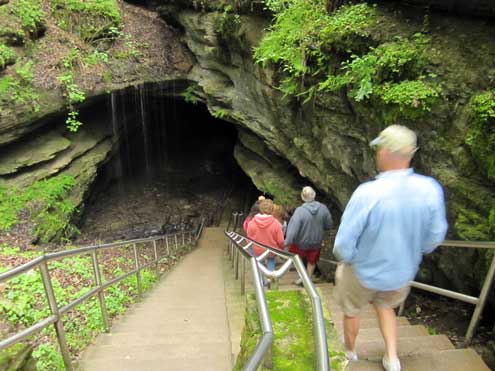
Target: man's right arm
[
  {"x": 438, "y": 221},
  {"x": 351, "y": 226},
  {"x": 292, "y": 229}
]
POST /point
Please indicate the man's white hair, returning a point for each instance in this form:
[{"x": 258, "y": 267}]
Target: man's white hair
[{"x": 308, "y": 194}]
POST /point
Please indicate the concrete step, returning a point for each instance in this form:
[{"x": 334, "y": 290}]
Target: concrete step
[
  {"x": 146, "y": 338},
  {"x": 370, "y": 322},
  {"x": 160, "y": 350},
  {"x": 445, "y": 360},
  {"x": 178, "y": 364},
  {"x": 367, "y": 334},
  {"x": 374, "y": 349}
]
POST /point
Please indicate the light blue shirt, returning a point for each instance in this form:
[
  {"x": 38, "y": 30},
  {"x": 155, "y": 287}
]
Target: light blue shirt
[{"x": 387, "y": 226}]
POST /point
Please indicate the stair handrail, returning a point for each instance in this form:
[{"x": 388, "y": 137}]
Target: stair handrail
[
  {"x": 172, "y": 241},
  {"x": 236, "y": 251},
  {"x": 479, "y": 301}
]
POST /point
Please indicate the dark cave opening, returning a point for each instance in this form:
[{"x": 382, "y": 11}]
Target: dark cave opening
[{"x": 171, "y": 164}]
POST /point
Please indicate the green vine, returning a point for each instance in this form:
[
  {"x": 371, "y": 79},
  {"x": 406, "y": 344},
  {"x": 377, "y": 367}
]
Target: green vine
[{"x": 73, "y": 93}]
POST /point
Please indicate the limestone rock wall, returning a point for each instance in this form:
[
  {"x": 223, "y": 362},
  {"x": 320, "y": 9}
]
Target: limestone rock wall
[{"x": 326, "y": 140}]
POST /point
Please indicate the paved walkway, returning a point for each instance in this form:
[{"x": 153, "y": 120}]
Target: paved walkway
[{"x": 182, "y": 324}]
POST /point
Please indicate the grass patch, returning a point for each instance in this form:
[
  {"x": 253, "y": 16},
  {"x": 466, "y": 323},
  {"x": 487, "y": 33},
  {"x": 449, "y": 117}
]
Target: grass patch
[{"x": 293, "y": 346}]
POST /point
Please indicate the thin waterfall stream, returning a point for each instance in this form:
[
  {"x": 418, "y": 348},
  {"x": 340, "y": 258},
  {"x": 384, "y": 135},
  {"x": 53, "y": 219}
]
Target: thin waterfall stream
[{"x": 171, "y": 164}]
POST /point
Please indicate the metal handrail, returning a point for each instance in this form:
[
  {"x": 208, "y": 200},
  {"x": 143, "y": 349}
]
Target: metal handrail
[
  {"x": 236, "y": 251},
  {"x": 479, "y": 301},
  {"x": 57, "y": 312}
]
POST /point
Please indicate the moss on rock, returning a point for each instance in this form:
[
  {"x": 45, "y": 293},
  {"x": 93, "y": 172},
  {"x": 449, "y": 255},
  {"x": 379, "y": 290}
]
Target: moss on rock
[{"x": 92, "y": 19}]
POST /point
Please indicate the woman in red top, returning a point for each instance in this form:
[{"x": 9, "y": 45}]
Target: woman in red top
[{"x": 265, "y": 229}]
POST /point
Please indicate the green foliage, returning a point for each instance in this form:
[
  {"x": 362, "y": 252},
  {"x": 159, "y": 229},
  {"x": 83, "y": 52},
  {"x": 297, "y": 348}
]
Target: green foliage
[
  {"x": 30, "y": 13},
  {"x": 48, "y": 358},
  {"x": 483, "y": 107},
  {"x": 92, "y": 20},
  {"x": 17, "y": 90},
  {"x": 46, "y": 203},
  {"x": 293, "y": 343},
  {"x": 408, "y": 98},
  {"x": 189, "y": 95},
  {"x": 228, "y": 26},
  {"x": 317, "y": 51},
  {"x": 72, "y": 92},
  {"x": 383, "y": 74},
  {"x": 7, "y": 56},
  {"x": 293, "y": 42},
  {"x": 480, "y": 137},
  {"x": 23, "y": 302},
  {"x": 349, "y": 28},
  {"x": 220, "y": 113},
  {"x": 23, "y": 18},
  {"x": 95, "y": 58}
]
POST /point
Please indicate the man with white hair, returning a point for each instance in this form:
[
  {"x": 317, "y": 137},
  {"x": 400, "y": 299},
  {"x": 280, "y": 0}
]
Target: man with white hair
[
  {"x": 387, "y": 226},
  {"x": 306, "y": 227}
]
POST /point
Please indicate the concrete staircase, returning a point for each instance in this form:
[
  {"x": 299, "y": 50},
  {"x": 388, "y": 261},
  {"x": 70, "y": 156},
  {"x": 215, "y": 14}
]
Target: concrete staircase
[
  {"x": 418, "y": 351},
  {"x": 193, "y": 319},
  {"x": 181, "y": 324}
]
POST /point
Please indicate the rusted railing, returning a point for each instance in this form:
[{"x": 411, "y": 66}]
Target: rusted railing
[{"x": 172, "y": 242}]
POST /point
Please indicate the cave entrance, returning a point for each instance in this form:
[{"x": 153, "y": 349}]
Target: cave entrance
[{"x": 171, "y": 163}]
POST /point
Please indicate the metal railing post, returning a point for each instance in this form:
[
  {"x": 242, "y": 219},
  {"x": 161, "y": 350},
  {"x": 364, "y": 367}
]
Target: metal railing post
[
  {"x": 157, "y": 267},
  {"x": 243, "y": 276},
  {"x": 101, "y": 294},
  {"x": 481, "y": 304},
  {"x": 236, "y": 264},
  {"x": 166, "y": 242},
  {"x": 401, "y": 307},
  {"x": 59, "y": 326},
  {"x": 138, "y": 271},
  {"x": 176, "y": 243}
]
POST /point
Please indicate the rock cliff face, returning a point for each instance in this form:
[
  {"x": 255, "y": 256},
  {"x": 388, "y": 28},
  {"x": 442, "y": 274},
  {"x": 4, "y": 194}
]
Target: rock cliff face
[{"x": 324, "y": 141}]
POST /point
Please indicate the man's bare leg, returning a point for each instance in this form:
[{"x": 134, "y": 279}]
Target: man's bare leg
[
  {"x": 311, "y": 269},
  {"x": 351, "y": 330},
  {"x": 388, "y": 328}
]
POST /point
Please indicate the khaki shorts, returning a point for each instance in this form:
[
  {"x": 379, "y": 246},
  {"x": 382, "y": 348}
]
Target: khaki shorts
[{"x": 352, "y": 296}]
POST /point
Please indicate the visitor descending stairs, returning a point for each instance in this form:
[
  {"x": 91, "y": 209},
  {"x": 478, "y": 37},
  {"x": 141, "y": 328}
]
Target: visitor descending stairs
[
  {"x": 192, "y": 320},
  {"x": 418, "y": 350}
]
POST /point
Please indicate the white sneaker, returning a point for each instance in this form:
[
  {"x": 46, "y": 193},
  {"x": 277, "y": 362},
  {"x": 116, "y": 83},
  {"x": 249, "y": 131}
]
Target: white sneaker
[
  {"x": 391, "y": 364},
  {"x": 351, "y": 356},
  {"x": 298, "y": 282}
]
